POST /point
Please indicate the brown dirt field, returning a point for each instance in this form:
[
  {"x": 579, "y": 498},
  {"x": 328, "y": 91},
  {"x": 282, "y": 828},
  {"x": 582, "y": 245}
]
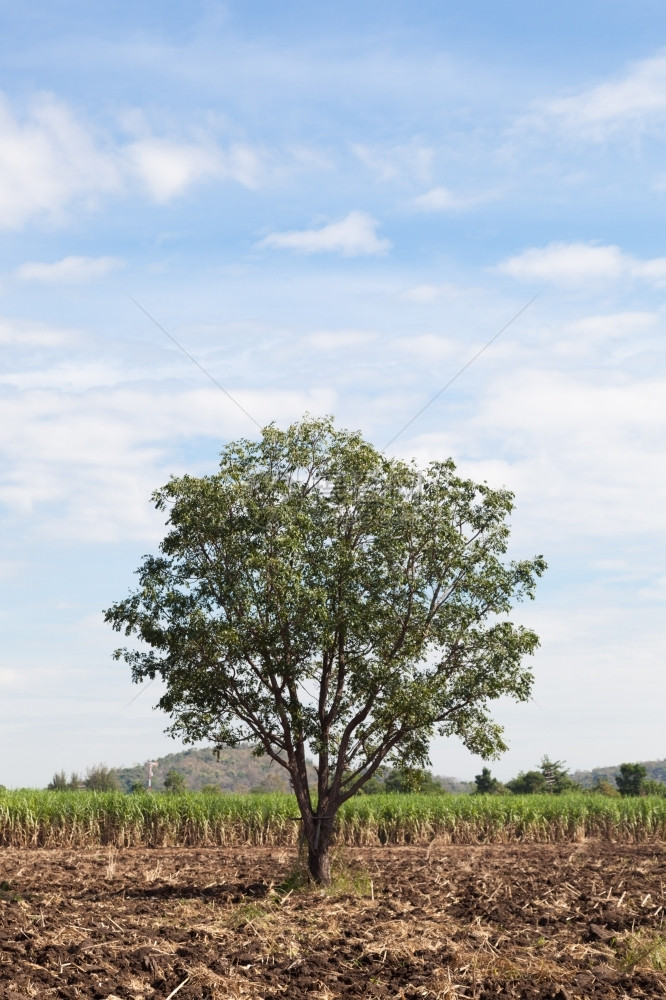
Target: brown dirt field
[{"x": 511, "y": 921}]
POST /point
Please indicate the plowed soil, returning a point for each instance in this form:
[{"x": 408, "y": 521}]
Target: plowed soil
[{"x": 520, "y": 921}]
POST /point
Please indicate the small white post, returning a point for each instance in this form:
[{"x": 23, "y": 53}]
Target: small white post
[{"x": 152, "y": 764}]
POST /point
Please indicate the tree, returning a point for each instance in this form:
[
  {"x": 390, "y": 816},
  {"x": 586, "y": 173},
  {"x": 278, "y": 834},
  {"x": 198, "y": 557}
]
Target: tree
[
  {"x": 375, "y": 785},
  {"x": 650, "y": 787},
  {"x": 556, "y": 776},
  {"x": 100, "y": 779},
  {"x": 528, "y": 783},
  {"x": 631, "y": 778},
  {"x": 603, "y": 787},
  {"x": 315, "y": 596},
  {"x": 58, "y": 782},
  {"x": 486, "y": 784},
  {"x": 405, "y": 780},
  {"x": 174, "y": 782}
]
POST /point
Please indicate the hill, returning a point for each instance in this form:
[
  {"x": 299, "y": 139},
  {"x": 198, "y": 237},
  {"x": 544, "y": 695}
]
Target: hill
[
  {"x": 236, "y": 771},
  {"x": 656, "y": 771},
  {"x": 239, "y": 771}
]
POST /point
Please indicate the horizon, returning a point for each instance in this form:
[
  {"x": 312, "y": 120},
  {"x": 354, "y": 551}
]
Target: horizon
[{"x": 572, "y": 771}]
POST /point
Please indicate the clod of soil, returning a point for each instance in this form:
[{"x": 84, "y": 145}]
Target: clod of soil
[{"x": 526, "y": 922}]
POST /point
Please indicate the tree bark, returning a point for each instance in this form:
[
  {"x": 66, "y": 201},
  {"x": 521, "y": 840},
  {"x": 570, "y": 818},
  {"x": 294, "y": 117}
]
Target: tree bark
[{"x": 319, "y": 851}]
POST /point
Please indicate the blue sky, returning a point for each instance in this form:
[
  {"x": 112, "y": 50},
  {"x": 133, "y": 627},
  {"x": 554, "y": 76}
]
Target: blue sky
[{"x": 333, "y": 209}]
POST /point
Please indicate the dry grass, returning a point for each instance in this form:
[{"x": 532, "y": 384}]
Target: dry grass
[{"x": 521, "y": 921}]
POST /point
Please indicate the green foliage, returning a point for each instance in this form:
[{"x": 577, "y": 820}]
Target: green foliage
[
  {"x": 233, "y": 769},
  {"x": 137, "y": 788},
  {"x": 58, "y": 782},
  {"x": 551, "y": 779},
  {"x": 527, "y": 783},
  {"x": 656, "y": 771},
  {"x": 174, "y": 783},
  {"x": 315, "y": 593},
  {"x": 486, "y": 784},
  {"x": 80, "y": 819},
  {"x": 210, "y": 790},
  {"x": 631, "y": 779},
  {"x": 654, "y": 788},
  {"x": 405, "y": 781},
  {"x": 100, "y": 779},
  {"x": 603, "y": 787},
  {"x": 556, "y": 777},
  {"x": 376, "y": 785}
]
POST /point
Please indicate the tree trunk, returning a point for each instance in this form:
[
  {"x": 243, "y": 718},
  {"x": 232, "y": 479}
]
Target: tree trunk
[
  {"x": 319, "y": 864},
  {"x": 319, "y": 856}
]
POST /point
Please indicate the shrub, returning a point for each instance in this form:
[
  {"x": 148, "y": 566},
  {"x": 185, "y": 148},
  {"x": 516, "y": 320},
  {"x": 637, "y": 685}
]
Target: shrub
[{"x": 603, "y": 787}]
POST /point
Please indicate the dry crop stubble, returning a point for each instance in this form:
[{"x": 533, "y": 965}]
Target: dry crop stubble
[{"x": 517, "y": 921}]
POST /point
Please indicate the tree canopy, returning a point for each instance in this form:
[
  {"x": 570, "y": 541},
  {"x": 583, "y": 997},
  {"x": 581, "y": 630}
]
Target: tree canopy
[
  {"x": 316, "y": 596},
  {"x": 552, "y": 778},
  {"x": 631, "y": 779},
  {"x": 174, "y": 782},
  {"x": 486, "y": 784}
]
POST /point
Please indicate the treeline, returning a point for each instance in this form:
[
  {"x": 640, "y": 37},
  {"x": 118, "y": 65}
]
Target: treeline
[
  {"x": 96, "y": 779},
  {"x": 552, "y": 778},
  {"x": 105, "y": 779}
]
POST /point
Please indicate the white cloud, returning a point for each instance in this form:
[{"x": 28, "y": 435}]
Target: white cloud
[
  {"x": 582, "y": 264},
  {"x": 353, "y": 236},
  {"x": 24, "y": 333},
  {"x": 82, "y": 464},
  {"x": 68, "y": 270},
  {"x": 166, "y": 168},
  {"x": 429, "y": 346},
  {"x": 583, "y": 455},
  {"x": 335, "y": 340},
  {"x": 635, "y": 97},
  {"x": 50, "y": 161},
  {"x": 442, "y": 199},
  {"x": 424, "y": 294},
  {"x": 47, "y": 161},
  {"x": 613, "y": 324},
  {"x": 412, "y": 161}
]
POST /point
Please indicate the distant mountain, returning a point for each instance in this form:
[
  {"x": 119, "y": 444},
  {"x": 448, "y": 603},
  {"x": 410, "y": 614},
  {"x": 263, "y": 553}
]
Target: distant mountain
[
  {"x": 656, "y": 771},
  {"x": 236, "y": 771},
  {"x": 239, "y": 771},
  {"x": 453, "y": 785}
]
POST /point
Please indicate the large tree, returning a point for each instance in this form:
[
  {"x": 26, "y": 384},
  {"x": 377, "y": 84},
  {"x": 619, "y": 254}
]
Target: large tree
[{"x": 315, "y": 597}]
